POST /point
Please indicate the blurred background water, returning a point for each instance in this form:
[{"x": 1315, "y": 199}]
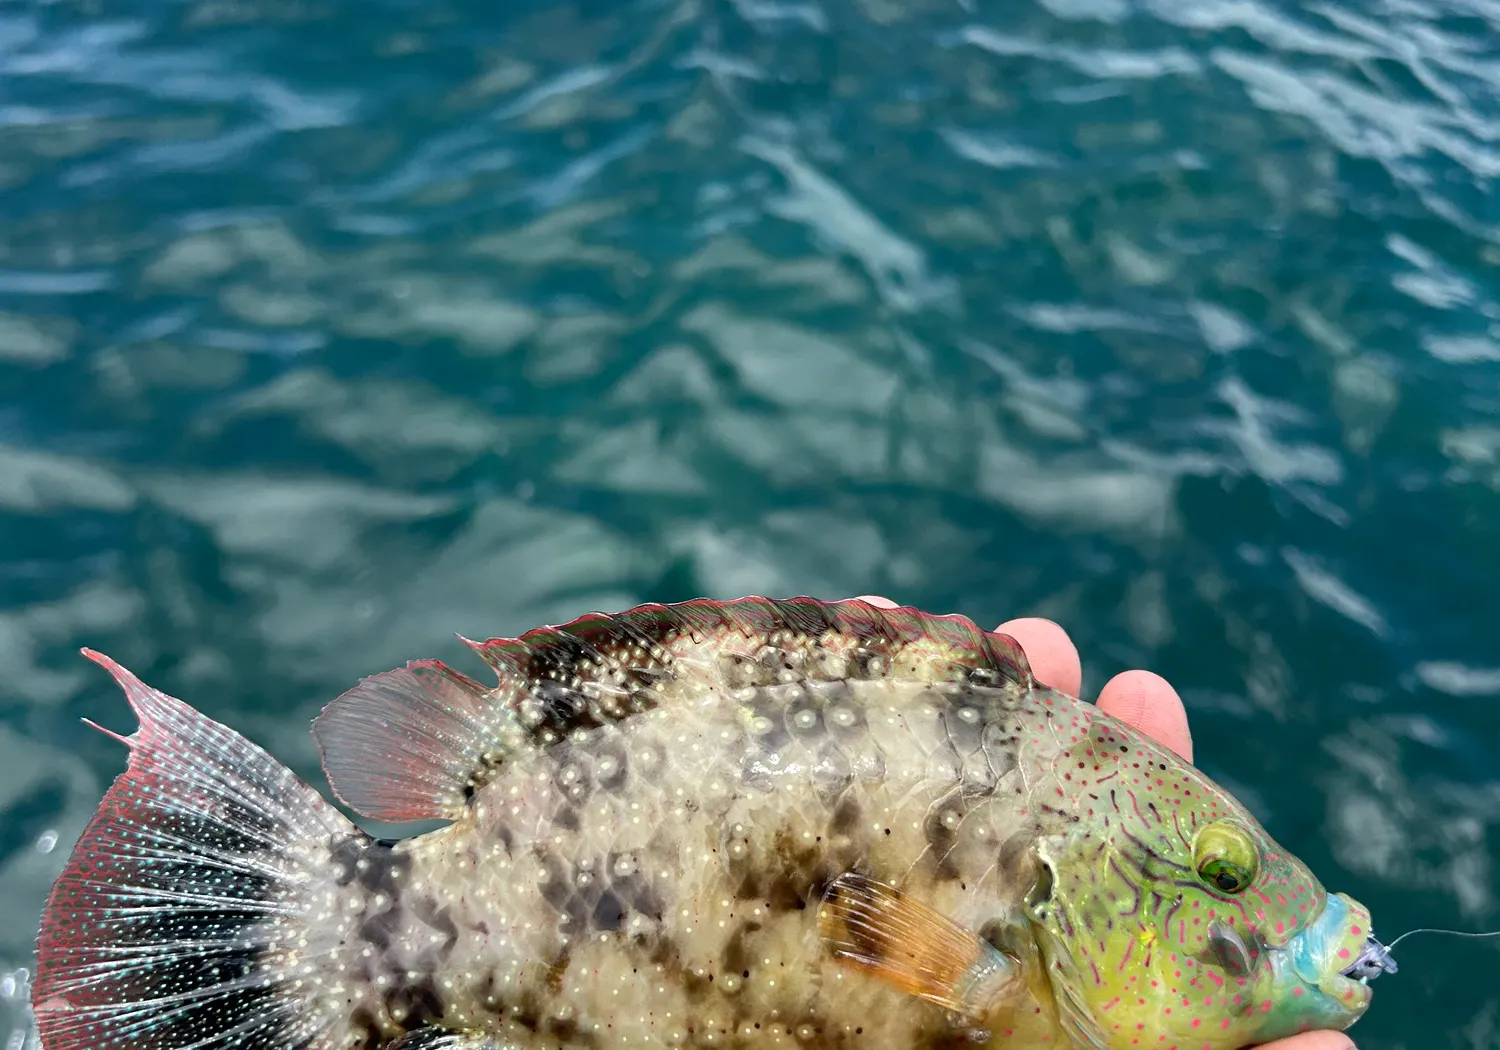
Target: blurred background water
[{"x": 329, "y": 329}]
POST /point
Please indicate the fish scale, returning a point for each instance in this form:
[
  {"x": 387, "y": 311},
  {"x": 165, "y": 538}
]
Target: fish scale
[{"x": 750, "y": 823}]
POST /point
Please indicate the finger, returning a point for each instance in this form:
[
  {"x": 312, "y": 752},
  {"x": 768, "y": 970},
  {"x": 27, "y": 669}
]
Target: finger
[
  {"x": 1146, "y": 701},
  {"x": 1051, "y": 653},
  {"x": 1313, "y": 1041}
]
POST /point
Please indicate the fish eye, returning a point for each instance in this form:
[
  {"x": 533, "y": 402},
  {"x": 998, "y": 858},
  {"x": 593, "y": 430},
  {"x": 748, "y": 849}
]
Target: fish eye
[{"x": 1225, "y": 857}]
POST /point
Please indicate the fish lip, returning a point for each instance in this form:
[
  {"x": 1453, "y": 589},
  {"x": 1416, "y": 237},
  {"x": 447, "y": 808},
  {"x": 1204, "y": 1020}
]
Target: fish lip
[
  {"x": 1351, "y": 991},
  {"x": 1341, "y": 986},
  {"x": 1335, "y": 953},
  {"x": 1353, "y": 994}
]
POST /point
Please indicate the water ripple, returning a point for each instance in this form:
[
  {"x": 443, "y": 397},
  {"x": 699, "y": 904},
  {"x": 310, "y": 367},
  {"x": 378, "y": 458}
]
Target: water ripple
[{"x": 327, "y": 330}]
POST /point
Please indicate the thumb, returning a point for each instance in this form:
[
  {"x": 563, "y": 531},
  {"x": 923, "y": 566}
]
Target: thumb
[{"x": 1313, "y": 1041}]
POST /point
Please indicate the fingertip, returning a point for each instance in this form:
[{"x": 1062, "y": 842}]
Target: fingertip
[
  {"x": 1313, "y": 1041},
  {"x": 1142, "y": 699},
  {"x": 1148, "y": 702},
  {"x": 1051, "y": 653}
]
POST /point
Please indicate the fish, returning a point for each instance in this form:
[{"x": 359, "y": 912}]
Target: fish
[{"x": 722, "y": 824}]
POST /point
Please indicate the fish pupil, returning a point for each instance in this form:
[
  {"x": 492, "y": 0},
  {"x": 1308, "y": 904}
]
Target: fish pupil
[{"x": 1227, "y": 881}]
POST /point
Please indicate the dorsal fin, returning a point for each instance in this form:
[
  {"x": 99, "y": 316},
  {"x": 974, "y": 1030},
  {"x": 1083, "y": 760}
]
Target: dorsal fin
[
  {"x": 404, "y": 745},
  {"x": 649, "y": 629},
  {"x": 412, "y": 744}
]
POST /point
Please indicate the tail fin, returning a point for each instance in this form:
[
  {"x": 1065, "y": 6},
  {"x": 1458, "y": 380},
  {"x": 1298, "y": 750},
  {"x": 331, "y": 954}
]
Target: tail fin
[{"x": 175, "y": 924}]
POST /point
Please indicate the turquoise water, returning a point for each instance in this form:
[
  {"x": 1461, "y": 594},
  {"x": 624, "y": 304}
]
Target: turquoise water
[{"x": 328, "y": 330}]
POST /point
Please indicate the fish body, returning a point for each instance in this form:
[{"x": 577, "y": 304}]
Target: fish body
[{"x": 716, "y": 824}]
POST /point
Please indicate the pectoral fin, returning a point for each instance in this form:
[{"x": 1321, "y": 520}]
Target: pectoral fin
[{"x": 878, "y": 929}]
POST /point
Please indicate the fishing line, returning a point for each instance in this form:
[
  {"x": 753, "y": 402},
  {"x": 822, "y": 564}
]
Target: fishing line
[
  {"x": 1450, "y": 933},
  {"x": 1376, "y": 958}
]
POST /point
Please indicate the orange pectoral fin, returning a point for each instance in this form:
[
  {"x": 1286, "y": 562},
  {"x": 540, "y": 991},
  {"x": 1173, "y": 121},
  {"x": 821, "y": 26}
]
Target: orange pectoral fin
[{"x": 875, "y": 928}]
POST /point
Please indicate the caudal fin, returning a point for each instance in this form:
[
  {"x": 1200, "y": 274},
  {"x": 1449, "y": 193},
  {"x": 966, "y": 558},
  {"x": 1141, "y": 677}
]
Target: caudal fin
[{"x": 180, "y": 920}]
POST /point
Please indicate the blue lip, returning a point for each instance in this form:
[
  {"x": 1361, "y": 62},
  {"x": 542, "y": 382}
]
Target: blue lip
[{"x": 1311, "y": 949}]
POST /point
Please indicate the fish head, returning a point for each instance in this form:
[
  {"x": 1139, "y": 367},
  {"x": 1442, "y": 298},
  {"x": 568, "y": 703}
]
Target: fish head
[{"x": 1166, "y": 914}]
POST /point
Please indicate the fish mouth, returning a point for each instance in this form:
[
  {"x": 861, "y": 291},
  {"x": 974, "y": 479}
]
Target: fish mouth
[{"x": 1338, "y": 956}]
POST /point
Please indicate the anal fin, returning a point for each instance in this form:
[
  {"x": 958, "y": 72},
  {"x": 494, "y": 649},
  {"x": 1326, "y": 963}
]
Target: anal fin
[
  {"x": 876, "y": 928},
  {"x": 407, "y": 744}
]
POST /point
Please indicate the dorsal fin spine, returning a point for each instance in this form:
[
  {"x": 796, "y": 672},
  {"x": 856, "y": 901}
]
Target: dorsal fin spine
[{"x": 649, "y": 624}]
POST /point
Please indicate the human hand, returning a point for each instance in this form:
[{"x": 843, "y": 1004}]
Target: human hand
[{"x": 1144, "y": 700}]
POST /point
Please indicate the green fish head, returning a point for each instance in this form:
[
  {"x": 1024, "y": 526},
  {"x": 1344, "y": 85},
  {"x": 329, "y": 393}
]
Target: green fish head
[{"x": 1166, "y": 910}]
